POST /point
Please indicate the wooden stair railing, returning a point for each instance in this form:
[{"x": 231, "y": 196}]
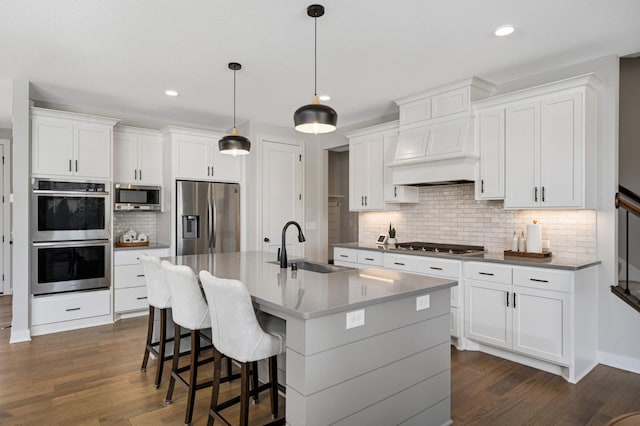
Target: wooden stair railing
[{"x": 630, "y": 201}]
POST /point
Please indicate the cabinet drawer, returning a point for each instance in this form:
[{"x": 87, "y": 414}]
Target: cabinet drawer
[
  {"x": 345, "y": 255},
  {"x": 423, "y": 265},
  {"x": 128, "y": 276},
  {"x": 487, "y": 272},
  {"x": 543, "y": 279},
  {"x": 51, "y": 309},
  {"x": 130, "y": 257},
  {"x": 130, "y": 299},
  {"x": 367, "y": 257}
]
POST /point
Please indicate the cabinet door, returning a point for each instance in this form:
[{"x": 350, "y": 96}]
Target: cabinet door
[
  {"x": 226, "y": 167},
  {"x": 193, "y": 158},
  {"x": 491, "y": 132},
  {"x": 358, "y": 170},
  {"x": 412, "y": 143},
  {"x": 488, "y": 313},
  {"x": 52, "y": 146},
  {"x": 375, "y": 183},
  {"x": 92, "y": 146},
  {"x": 522, "y": 156},
  {"x": 562, "y": 151},
  {"x": 541, "y": 320},
  {"x": 150, "y": 160},
  {"x": 125, "y": 158}
]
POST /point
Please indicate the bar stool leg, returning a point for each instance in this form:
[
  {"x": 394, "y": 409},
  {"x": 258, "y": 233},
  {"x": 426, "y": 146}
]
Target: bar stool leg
[
  {"x": 174, "y": 364},
  {"x": 254, "y": 381},
  {"x": 273, "y": 390},
  {"x": 244, "y": 394},
  {"x": 215, "y": 391},
  {"x": 229, "y": 367},
  {"x": 161, "y": 347},
  {"x": 145, "y": 358},
  {"x": 193, "y": 375}
]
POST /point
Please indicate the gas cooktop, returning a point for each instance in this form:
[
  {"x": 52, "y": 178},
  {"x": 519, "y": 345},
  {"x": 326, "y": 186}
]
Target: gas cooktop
[{"x": 458, "y": 249}]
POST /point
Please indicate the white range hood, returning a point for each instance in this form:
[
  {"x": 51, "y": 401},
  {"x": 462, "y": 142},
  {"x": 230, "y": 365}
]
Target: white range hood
[{"x": 436, "y": 140}]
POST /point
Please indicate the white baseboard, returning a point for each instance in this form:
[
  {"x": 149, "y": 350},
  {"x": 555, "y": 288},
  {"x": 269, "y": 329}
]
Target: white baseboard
[
  {"x": 619, "y": 361},
  {"x": 18, "y": 336}
]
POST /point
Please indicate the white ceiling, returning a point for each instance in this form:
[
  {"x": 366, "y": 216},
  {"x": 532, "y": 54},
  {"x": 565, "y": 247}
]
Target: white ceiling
[{"x": 120, "y": 55}]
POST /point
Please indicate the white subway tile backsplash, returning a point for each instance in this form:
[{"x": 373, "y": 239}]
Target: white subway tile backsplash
[
  {"x": 144, "y": 222},
  {"x": 450, "y": 214}
]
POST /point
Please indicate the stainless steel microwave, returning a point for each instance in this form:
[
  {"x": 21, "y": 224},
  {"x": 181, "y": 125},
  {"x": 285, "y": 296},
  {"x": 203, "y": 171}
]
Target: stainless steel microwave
[{"x": 132, "y": 198}]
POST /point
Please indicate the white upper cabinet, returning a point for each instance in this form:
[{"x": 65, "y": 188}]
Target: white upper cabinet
[
  {"x": 370, "y": 186},
  {"x": 491, "y": 133},
  {"x": 70, "y": 144},
  {"x": 196, "y": 156},
  {"x": 549, "y": 145},
  {"x": 137, "y": 156}
]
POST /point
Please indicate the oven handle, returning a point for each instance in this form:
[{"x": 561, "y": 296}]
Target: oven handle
[
  {"x": 86, "y": 194},
  {"x": 71, "y": 243}
]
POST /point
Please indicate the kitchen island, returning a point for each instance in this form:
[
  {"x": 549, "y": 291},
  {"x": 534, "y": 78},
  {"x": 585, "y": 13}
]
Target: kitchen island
[{"x": 364, "y": 346}]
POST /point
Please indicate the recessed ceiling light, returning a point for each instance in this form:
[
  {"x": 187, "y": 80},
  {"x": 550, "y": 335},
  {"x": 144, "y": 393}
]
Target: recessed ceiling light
[
  {"x": 171, "y": 93},
  {"x": 504, "y": 30},
  {"x": 324, "y": 97}
]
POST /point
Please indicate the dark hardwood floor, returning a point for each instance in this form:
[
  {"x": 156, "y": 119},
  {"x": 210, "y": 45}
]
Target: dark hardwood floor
[{"x": 92, "y": 377}]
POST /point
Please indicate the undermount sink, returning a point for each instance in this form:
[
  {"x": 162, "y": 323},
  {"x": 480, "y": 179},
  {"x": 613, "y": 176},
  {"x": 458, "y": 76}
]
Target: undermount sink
[{"x": 320, "y": 268}]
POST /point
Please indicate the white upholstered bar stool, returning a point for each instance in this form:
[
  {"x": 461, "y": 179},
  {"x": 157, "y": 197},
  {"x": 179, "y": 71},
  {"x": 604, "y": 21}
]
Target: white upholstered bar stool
[
  {"x": 238, "y": 335},
  {"x": 159, "y": 297},
  {"x": 189, "y": 311}
]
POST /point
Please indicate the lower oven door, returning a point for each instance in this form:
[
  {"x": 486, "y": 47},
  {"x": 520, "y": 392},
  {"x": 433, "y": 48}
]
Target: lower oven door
[{"x": 70, "y": 266}]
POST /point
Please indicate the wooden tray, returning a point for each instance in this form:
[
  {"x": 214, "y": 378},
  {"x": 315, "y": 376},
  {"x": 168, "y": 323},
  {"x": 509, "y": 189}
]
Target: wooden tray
[
  {"x": 527, "y": 254},
  {"x": 132, "y": 244}
]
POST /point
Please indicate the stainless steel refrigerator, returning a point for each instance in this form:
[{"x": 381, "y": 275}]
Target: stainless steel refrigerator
[{"x": 208, "y": 217}]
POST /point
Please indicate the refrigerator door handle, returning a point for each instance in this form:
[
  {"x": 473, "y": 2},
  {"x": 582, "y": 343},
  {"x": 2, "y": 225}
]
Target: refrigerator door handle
[{"x": 212, "y": 219}]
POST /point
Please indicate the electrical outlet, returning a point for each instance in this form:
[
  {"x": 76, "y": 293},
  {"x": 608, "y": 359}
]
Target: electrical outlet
[
  {"x": 423, "y": 302},
  {"x": 355, "y": 318}
]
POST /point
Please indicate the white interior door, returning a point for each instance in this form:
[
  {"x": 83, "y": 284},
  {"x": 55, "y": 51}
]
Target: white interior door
[
  {"x": 282, "y": 196},
  {"x": 5, "y": 214}
]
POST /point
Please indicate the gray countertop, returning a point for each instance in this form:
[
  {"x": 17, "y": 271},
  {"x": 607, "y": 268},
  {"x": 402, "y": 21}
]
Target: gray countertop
[
  {"x": 307, "y": 294},
  {"x": 550, "y": 262},
  {"x": 150, "y": 246}
]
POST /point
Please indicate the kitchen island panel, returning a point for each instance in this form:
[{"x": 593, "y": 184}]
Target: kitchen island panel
[
  {"x": 365, "y": 392},
  {"x": 330, "y": 331},
  {"x": 318, "y": 372}
]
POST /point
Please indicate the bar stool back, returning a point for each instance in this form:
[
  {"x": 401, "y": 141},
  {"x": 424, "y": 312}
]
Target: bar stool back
[
  {"x": 237, "y": 334},
  {"x": 159, "y": 298},
  {"x": 189, "y": 311}
]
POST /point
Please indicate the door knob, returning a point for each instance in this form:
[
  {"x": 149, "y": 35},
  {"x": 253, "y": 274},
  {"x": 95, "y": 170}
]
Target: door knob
[{"x": 266, "y": 239}]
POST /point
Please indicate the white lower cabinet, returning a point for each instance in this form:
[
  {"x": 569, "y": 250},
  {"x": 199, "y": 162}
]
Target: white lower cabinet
[
  {"x": 130, "y": 288},
  {"x": 541, "y": 314},
  {"x": 69, "y": 311}
]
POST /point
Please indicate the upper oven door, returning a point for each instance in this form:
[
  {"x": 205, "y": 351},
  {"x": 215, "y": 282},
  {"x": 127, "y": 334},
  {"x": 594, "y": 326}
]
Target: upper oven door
[{"x": 70, "y": 215}]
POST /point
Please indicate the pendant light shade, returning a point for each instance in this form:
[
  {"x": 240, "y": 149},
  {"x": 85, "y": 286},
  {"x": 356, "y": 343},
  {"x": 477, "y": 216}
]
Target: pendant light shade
[
  {"x": 234, "y": 144},
  {"x": 315, "y": 118}
]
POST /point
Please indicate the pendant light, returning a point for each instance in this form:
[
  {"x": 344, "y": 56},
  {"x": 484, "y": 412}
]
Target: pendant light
[
  {"x": 315, "y": 118},
  {"x": 234, "y": 144}
]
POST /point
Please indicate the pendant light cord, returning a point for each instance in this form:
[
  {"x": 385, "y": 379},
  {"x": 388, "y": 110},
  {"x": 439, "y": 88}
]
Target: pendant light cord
[
  {"x": 234, "y": 99},
  {"x": 315, "y": 56}
]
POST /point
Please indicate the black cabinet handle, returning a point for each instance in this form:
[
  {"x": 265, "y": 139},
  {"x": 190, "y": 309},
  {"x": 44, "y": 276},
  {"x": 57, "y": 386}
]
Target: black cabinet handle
[
  {"x": 371, "y": 259},
  {"x": 365, "y": 201},
  {"x": 482, "y": 186},
  {"x": 486, "y": 273},
  {"x": 543, "y": 194},
  {"x": 266, "y": 239},
  {"x": 535, "y": 196},
  {"x": 395, "y": 192},
  {"x": 72, "y": 309},
  {"x": 344, "y": 255},
  {"x": 362, "y": 200},
  {"x": 141, "y": 298},
  {"x": 69, "y": 164},
  {"x": 140, "y": 173},
  {"x": 538, "y": 281},
  {"x": 436, "y": 268},
  {"x": 140, "y": 275},
  {"x": 76, "y": 165},
  {"x": 398, "y": 263},
  {"x": 507, "y": 299},
  {"x": 514, "y": 300},
  {"x": 135, "y": 174}
]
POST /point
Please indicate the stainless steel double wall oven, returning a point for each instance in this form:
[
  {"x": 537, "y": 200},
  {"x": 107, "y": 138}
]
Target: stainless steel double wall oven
[{"x": 70, "y": 235}]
